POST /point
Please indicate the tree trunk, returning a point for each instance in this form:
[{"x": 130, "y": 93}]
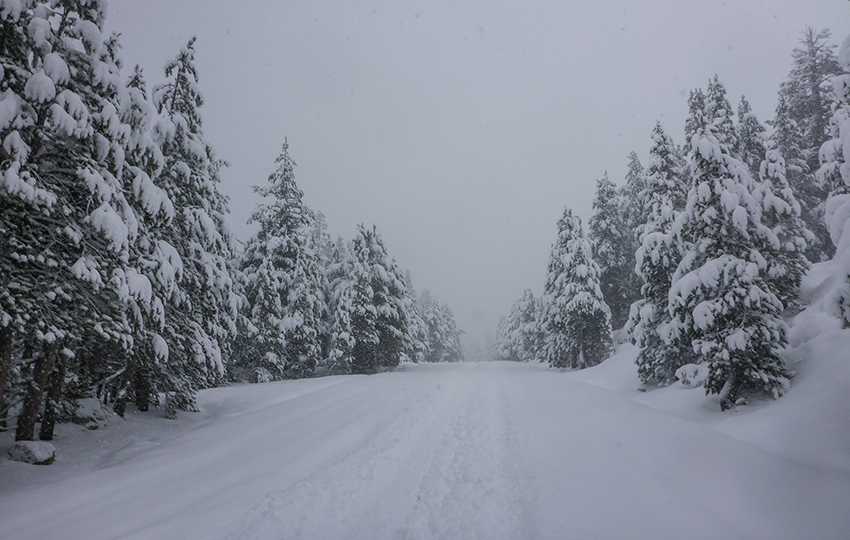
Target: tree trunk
[
  {"x": 729, "y": 393},
  {"x": 5, "y": 363},
  {"x": 35, "y": 392},
  {"x": 142, "y": 389},
  {"x": 51, "y": 405}
]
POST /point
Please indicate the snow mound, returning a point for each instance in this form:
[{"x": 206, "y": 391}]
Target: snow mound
[{"x": 34, "y": 452}]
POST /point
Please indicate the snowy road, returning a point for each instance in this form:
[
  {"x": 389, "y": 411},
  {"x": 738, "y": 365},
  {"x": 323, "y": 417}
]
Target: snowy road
[{"x": 462, "y": 451}]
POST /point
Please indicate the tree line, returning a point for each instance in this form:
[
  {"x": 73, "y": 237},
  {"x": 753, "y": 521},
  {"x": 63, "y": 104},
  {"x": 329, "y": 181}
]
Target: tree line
[
  {"x": 120, "y": 276},
  {"x": 699, "y": 256}
]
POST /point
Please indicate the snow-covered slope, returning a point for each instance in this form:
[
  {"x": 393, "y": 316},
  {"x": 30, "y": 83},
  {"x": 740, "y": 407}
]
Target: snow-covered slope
[{"x": 491, "y": 451}]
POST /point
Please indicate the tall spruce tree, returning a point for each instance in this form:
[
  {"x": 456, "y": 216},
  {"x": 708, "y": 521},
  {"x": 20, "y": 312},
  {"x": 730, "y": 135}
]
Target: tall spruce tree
[
  {"x": 201, "y": 316},
  {"x": 613, "y": 250},
  {"x": 750, "y": 137},
  {"x": 154, "y": 264},
  {"x": 416, "y": 338},
  {"x": 520, "y": 338},
  {"x": 341, "y": 306},
  {"x": 835, "y": 172},
  {"x": 656, "y": 260},
  {"x": 67, "y": 226},
  {"x": 443, "y": 343},
  {"x": 784, "y": 230},
  {"x": 720, "y": 301},
  {"x": 801, "y": 127},
  {"x": 576, "y": 320},
  {"x": 377, "y": 314},
  {"x": 632, "y": 206},
  {"x": 283, "y": 283}
]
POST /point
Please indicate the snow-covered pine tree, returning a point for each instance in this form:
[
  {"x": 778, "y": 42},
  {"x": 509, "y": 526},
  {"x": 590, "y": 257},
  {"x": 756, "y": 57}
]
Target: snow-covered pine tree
[
  {"x": 155, "y": 266},
  {"x": 416, "y": 338},
  {"x": 835, "y": 172},
  {"x": 634, "y": 211},
  {"x": 576, "y": 320},
  {"x": 801, "y": 127},
  {"x": 443, "y": 343},
  {"x": 665, "y": 183},
  {"x": 656, "y": 260},
  {"x": 200, "y": 318},
  {"x": 750, "y": 137},
  {"x": 378, "y": 324},
  {"x": 520, "y": 338},
  {"x": 786, "y": 234},
  {"x": 720, "y": 301},
  {"x": 283, "y": 284},
  {"x": 20, "y": 196},
  {"x": 341, "y": 280},
  {"x": 696, "y": 114},
  {"x": 613, "y": 250},
  {"x": 67, "y": 226},
  {"x": 454, "y": 347},
  {"x": 320, "y": 245},
  {"x": 787, "y": 237},
  {"x": 505, "y": 349},
  {"x": 305, "y": 312},
  {"x": 632, "y": 207},
  {"x": 718, "y": 112}
]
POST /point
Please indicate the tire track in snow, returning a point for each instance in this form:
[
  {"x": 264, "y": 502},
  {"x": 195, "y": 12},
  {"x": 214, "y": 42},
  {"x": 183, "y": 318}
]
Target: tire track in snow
[
  {"x": 470, "y": 490},
  {"x": 332, "y": 502},
  {"x": 442, "y": 468}
]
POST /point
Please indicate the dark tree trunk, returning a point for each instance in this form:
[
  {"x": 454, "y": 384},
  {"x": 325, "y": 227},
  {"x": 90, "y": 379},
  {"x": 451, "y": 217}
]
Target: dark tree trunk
[
  {"x": 35, "y": 393},
  {"x": 124, "y": 390},
  {"x": 51, "y": 405},
  {"x": 5, "y": 363},
  {"x": 142, "y": 389}
]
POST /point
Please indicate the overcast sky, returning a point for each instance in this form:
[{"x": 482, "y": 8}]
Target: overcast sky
[{"x": 461, "y": 129}]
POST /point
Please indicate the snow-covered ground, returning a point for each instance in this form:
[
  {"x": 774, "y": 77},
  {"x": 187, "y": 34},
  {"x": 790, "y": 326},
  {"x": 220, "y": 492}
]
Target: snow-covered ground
[{"x": 483, "y": 450}]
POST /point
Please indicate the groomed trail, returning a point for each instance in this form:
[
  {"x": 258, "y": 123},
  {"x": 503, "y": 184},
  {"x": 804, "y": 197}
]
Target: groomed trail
[{"x": 465, "y": 451}]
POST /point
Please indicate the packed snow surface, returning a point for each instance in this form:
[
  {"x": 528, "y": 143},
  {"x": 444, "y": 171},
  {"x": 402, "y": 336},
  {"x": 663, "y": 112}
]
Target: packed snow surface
[{"x": 454, "y": 451}]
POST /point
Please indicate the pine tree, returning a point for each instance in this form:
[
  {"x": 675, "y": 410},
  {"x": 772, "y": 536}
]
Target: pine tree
[
  {"x": 750, "y": 135},
  {"x": 632, "y": 206},
  {"x": 718, "y": 112},
  {"x": 719, "y": 300},
  {"x": 835, "y": 172},
  {"x": 786, "y": 235},
  {"x": 341, "y": 279},
  {"x": 443, "y": 344},
  {"x": 283, "y": 283},
  {"x": 613, "y": 250},
  {"x": 634, "y": 212},
  {"x": 416, "y": 338},
  {"x": 368, "y": 302},
  {"x": 67, "y": 226},
  {"x": 696, "y": 113},
  {"x": 576, "y": 320},
  {"x": 801, "y": 128},
  {"x": 656, "y": 260},
  {"x": 200, "y": 318},
  {"x": 154, "y": 268},
  {"x": 520, "y": 338}
]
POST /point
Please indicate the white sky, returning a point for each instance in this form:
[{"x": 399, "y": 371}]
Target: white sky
[{"x": 461, "y": 129}]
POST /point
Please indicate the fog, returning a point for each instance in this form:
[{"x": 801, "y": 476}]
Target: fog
[{"x": 461, "y": 129}]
